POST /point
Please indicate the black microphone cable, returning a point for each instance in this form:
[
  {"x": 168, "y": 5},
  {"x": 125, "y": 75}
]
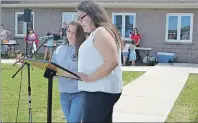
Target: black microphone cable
[{"x": 19, "y": 96}]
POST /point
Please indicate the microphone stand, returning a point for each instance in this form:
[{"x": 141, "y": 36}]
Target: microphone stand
[
  {"x": 49, "y": 74},
  {"x": 29, "y": 87}
]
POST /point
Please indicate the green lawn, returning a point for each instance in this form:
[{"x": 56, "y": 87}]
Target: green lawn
[
  {"x": 186, "y": 106},
  {"x": 10, "y": 90}
]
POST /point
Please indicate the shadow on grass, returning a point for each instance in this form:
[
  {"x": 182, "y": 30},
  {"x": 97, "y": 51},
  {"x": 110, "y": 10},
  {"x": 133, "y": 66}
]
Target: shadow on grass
[{"x": 196, "y": 118}]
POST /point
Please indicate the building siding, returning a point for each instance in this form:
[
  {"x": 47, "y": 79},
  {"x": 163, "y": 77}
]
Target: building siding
[
  {"x": 105, "y": 1},
  {"x": 151, "y": 24},
  {"x": 44, "y": 20}
]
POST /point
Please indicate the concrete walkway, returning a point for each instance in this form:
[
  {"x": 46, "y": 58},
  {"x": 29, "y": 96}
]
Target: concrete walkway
[
  {"x": 8, "y": 61},
  {"x": 150, "y": 97},
  {"x": 136, "y": 68}
]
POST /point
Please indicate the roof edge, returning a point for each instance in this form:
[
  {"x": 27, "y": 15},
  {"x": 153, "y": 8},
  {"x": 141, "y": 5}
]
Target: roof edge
[{"x": 107, "y": 5}]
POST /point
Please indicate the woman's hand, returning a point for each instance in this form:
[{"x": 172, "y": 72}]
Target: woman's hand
[{"x": 84, "y": 77}]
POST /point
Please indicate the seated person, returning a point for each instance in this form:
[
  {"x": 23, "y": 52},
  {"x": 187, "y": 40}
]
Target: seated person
[{"x": 4, "y": 38}]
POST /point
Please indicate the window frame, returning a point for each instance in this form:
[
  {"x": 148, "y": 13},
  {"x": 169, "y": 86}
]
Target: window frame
[
  {"x": 179, "y": 15},
  {"x": 123, "y": 22},
  {"x": 68, "y": 13},
  {"x": 24, "y": 24}
]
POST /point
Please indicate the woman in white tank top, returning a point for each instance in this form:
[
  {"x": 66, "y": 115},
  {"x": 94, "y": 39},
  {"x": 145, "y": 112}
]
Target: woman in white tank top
[{"x": 99, "y": 63}]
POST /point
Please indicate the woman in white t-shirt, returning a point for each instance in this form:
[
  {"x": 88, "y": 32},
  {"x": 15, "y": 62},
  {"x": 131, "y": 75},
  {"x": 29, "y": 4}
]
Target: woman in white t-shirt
[{"x": 99, "y": 63}]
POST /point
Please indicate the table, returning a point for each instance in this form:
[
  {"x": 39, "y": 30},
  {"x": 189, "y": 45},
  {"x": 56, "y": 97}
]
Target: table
[
  {"x": 11, "y": 47},
  {"x": 146, "y": 51}
]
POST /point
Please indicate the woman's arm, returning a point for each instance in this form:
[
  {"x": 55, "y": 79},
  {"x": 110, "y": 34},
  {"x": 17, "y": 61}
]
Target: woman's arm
[
  {"x": 25, "y": 38},
  {"x": 8, "y": 33},
  {"x": 138, "y": 39},
  {"x": 63, "y": 73},
  {"x": 138, "y": 42},
  {"x": 122, "y": 44},
  {"x": 37, "y": 40},
  {"x": 106, "y": 45}
]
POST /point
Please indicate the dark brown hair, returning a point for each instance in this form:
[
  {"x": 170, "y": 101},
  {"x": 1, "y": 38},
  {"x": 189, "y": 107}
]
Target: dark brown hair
[
  {"x": 136, "y": 30},
  {"x": 30, "y": 29},
  {"x": 99, "y": 18},
  {"x": 80, "y": 34}
]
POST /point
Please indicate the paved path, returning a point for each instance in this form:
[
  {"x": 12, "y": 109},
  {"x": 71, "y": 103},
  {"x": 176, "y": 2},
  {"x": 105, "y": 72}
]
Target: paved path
[
  {"x": 9, "y": 61},
  {"x": 151, "y": 97},
  {"x": 136, "y": 68}
]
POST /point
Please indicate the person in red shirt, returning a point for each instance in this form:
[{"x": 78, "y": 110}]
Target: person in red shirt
[{"x": 136, "y": 37}]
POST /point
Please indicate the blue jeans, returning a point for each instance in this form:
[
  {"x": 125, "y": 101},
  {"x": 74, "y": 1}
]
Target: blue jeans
[{"x": 72, "y": 106}]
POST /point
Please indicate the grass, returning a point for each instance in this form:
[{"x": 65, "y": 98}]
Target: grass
[
  {"x": 130, "y": 76},
  {"x": 186, "y": 106},
  {"x": 10, "y": 91}
]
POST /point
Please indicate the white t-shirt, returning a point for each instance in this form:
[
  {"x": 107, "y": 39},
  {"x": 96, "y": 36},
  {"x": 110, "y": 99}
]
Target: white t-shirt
[
  {"x": 3, "y": 34},
  {"x": 126, "y": 48}
]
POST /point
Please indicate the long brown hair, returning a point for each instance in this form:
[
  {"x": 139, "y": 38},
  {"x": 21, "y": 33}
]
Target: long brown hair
[
  {"x": 80, "y": 34},
  {"x": 99, "y": 18}
]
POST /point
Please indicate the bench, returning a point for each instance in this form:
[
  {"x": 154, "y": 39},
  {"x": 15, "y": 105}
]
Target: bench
[
  {"x": 146, "y": 51},
  {"x": 11, "y": 44}
]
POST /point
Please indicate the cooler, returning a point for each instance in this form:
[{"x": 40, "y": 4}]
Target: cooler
[{"x": 163, "y": 57}]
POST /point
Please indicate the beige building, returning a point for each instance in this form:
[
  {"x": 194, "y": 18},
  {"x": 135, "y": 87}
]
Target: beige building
[{"x": 165, "y": 25}]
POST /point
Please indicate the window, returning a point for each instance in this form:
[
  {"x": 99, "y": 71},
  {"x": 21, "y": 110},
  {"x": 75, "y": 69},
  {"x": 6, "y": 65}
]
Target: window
[
  {"x": 124, "y": 22},
  {"x": 20, "y": 25},
  {"x": 68, "y": 16},
  {"x": 179, "y": 27}
]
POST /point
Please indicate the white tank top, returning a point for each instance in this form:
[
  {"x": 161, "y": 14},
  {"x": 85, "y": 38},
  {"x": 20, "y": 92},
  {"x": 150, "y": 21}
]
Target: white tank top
[{"x": 89, "y": 61}]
